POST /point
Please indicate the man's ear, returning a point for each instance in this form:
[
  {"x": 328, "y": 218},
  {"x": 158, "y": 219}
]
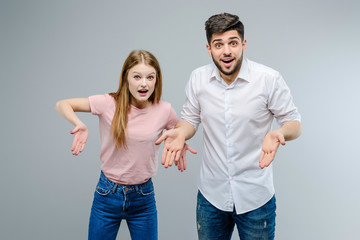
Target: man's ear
[
  {"x": 208, "y": 49},
  {"x": 244, "y": 44}
]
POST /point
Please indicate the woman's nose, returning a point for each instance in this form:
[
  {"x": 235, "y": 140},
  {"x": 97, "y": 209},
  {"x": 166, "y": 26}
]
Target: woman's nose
[{"x": 143, "y": 82}]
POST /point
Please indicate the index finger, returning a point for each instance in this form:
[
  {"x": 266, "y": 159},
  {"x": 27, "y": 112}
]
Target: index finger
[{"x": 161, "y": 138}]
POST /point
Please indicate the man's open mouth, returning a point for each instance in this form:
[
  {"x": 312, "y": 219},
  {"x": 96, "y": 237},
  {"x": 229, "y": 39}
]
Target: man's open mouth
[{"x": 227, "y": 61}]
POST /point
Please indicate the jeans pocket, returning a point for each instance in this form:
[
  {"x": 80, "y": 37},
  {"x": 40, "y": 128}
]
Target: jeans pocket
[
  {"x": 102, "y": 188},
  {"x": 147, "y": 189}
]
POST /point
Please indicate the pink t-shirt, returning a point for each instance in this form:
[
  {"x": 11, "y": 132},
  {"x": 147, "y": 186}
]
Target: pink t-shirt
[{"x": 139, "y": 161}]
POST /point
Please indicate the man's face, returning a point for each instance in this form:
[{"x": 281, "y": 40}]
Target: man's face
[{"x": 226, "y": 50}]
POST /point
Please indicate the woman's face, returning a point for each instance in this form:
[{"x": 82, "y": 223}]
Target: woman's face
[{"x": 142, "y": 79}]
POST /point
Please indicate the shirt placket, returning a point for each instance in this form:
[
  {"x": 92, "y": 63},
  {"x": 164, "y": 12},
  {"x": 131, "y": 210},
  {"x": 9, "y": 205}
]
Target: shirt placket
[{"x": 229, "y": 144}]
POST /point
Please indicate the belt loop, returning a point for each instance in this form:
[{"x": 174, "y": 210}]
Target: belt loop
[
  {"x": 137, "y": 188},
  {"x": 114, "y": 188}
]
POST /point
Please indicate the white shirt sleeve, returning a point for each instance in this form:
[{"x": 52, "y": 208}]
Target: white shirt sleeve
[
  {"x": 281, "y": 103},
  {"x": 191, "y": 108}
]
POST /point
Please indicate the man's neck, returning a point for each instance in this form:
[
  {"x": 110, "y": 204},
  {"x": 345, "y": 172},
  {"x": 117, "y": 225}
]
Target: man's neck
[{"x": 229, "y": 79}]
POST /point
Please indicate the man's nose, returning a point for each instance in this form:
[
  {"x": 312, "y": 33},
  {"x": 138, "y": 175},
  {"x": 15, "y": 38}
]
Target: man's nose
[{"x": 226, "y": 50}]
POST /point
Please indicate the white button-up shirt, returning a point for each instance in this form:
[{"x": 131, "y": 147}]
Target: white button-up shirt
[{"x": 235, "y": 120}]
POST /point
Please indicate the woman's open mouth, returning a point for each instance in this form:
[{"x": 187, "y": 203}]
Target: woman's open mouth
[{"x": 143, "y": 92}]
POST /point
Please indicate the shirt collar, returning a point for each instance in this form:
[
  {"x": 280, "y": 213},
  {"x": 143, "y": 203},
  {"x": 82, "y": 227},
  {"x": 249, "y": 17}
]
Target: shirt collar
[{"x": 243, "y": 73}]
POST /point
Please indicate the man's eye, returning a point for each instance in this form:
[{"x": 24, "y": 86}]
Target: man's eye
[
  {"x": 218, "y": 45},
  {"x": 234, "y": 43}
]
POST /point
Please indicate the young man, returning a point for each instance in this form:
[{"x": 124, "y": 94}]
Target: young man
[{"x": 236, "y": 100}]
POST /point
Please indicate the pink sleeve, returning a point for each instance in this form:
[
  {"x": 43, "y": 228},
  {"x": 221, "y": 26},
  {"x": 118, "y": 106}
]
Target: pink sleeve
[
  {"x": 99, "y": 103},
  {"x": 172, "y": 120}
]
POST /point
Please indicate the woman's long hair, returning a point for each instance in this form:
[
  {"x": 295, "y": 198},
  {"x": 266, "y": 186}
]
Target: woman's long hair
[{"x": 123, "y": 95}]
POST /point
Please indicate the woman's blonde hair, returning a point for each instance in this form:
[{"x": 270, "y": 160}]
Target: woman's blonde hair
[{"x": 123, "y": 95}]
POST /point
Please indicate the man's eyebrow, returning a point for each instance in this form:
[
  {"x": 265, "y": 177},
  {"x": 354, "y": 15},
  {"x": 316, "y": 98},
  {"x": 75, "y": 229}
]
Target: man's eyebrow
[
  {"x": 232, "y": 38},
  {"x": 219, "y": 39},
  {"x": 216, "y": 40}
]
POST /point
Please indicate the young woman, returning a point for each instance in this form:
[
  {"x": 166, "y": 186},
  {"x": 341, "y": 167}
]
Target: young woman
[{"x": 130, "y": 121}]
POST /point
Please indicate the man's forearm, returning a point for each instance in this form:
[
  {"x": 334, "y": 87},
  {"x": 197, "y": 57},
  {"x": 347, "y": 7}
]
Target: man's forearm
[
  {"x": 186, "y": 128},
  {"x": 290, "y": 130}
]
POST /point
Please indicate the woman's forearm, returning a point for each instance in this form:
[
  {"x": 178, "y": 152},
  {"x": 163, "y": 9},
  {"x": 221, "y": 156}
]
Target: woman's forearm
[{"x": 68, "y": 107}]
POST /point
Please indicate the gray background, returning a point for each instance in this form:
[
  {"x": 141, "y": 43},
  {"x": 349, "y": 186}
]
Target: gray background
[{"x": 52, "y": 50}]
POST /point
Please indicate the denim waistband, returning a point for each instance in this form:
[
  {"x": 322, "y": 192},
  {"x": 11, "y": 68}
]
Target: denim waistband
[{"x": 114, "y": 186}]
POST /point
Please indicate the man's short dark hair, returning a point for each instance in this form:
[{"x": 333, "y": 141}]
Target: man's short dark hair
[{"x": 221, "y": 23}]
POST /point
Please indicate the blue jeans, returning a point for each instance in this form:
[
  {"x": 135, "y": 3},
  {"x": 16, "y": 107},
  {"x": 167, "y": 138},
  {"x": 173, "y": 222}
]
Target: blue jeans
[
  {"x": 216, "y": 224},
  {"x": 114, "y": 202}
]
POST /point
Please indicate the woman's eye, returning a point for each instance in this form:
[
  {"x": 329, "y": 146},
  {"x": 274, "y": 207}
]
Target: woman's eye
[
  {"x": 137, "y": 77},
  {"x": 150, "y": 77}
]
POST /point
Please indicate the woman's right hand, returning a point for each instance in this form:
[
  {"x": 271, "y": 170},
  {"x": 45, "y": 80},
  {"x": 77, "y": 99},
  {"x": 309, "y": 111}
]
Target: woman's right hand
[
  {"x": 81, "y": 134},
  {"x": 67, "y": 109}
]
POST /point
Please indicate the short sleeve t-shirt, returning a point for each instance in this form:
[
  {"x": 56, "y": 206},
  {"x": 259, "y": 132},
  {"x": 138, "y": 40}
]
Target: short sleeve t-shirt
[{"x": 139, "y": 162}]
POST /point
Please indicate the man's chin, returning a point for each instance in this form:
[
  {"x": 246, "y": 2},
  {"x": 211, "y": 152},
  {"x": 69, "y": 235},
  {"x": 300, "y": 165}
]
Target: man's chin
[{"x": 227, "y": 72}]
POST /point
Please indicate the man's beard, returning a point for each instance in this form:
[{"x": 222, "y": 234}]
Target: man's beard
[{"x": 236, "y": 68}]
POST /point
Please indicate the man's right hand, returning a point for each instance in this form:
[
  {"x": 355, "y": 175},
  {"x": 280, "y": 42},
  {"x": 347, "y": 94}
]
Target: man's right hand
[
  {"x": 182, "y": 162},
  {"x": 174, "y": 141}
]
